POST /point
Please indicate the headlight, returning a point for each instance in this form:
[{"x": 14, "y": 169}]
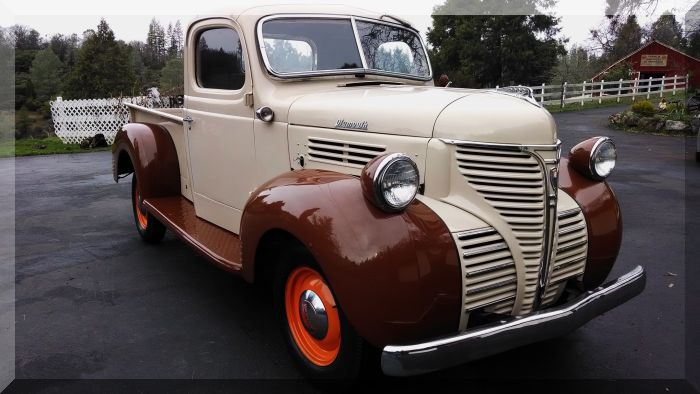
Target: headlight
[
  {"x": 594, "y": 158},
  {"x": 391, "y": 181},
  {"x": 603, "y": 158}
]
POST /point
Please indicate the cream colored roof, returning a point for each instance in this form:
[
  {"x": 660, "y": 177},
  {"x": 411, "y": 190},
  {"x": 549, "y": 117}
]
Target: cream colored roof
[{"x": 336, "y": 9}]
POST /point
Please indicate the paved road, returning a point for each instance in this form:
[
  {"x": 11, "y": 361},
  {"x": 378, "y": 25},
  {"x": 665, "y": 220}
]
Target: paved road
[{"x": 93, "y": 301}]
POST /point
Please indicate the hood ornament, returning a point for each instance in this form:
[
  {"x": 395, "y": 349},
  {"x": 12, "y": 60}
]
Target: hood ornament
[{"x": 342, "y": 124}]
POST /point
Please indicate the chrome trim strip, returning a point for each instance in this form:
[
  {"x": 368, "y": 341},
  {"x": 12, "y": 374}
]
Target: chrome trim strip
[
  {"x": 511, "y": 332},
  {"x": 568, "y": 213},
  {"x": 569, "y": 230},
  {"x": 482, "y": 271},
  {"x": 572, "y": 246},
  {"x": 477, "y": 290},
  {"x": 350, "y": 71},
  {"x": 479, "y": 231},
  {"x": 497, "y": 145},
  {"x": 485, "y": 249}
]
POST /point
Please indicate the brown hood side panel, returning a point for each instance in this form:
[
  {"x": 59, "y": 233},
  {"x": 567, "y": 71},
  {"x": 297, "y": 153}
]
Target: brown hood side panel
[
  {"x": 396, "y": 276},
  {"x": 602, "y": 212},
  {"x": 153, "y": 156}
]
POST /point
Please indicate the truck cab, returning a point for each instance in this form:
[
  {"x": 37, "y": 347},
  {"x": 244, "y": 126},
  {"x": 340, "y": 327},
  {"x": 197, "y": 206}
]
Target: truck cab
[{"x": 314, "y": 154}]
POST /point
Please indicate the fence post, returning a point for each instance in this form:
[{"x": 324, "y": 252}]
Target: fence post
[
  {"x": 602, "y": 87},
  {"x": 619, "y": 90},
  {"x": 663, "y": 85},
  {"x": 675, "y": 81},
  {"x": 542, "y": 97},
  {"x": 634, "y": 89},
  {"x": 583, "y": 93},
  {"x": 649, "y": 89},
  {"x": 687, "y": 82},
  {"x": 563, "y": 94}
]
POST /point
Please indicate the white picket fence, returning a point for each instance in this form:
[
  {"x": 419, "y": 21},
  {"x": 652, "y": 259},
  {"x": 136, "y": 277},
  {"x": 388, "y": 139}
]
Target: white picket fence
[
  {"x": 75, "y": 120},
  {"x": 609, "y": 90}
]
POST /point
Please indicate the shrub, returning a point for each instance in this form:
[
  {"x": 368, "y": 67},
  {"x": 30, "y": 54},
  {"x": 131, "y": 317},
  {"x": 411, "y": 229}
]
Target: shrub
[{"x": 643, "y": 107}]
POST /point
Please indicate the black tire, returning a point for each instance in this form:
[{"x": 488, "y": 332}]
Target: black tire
[
  {"x": 349, "y": 360},
  {"x": 152, "y": 231}
]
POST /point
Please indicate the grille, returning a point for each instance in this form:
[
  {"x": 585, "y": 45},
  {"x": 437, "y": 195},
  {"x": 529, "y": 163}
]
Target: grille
[
  {"x": 490, "y": 279},
  {"x": 351, "y": 154},
  {"x": 512, "y": 182},
  {"x": 570, "y": 258}
]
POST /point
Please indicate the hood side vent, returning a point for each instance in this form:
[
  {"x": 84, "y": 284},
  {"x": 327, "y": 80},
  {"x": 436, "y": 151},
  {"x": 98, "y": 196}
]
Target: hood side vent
[{"x": 348, "y": 153}]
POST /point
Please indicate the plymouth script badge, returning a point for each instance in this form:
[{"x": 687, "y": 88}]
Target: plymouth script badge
[{"x": 342, "y": 124}]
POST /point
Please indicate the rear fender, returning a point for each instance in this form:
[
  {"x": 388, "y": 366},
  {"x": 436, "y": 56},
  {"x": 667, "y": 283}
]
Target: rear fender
[{"x": 151, "y": 152}]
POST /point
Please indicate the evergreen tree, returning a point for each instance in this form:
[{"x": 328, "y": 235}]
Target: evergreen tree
[
  {"x": 7, "y": 71},
  {"x": 171, "y": 79},
  {"x": 65, "y": 47},
  {"x": 154, "y": 51},
  {"x": 489, "y": 50},
  {"x": 46, "y": 75},
  {"x": 102, "y": 68},
  {"x": 668, "y": 31}
]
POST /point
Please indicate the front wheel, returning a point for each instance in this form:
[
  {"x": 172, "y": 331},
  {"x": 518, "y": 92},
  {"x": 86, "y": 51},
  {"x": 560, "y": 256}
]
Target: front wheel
[
  {"x": 149, "y": 228},
  {"x": 314, "y": 327}
]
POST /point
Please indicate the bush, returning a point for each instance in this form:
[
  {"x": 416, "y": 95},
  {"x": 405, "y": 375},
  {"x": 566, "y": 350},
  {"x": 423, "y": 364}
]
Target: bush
[{"x": 643, "y": 107}]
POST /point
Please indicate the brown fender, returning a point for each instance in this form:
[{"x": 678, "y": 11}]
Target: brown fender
[
  {"x": 602, "y": 212},
  {"x": 152, "y": 155},
  {"x": 396, "y": 276}
]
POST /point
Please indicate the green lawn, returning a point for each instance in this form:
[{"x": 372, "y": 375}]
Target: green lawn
[{"x": 44, "y": 146}]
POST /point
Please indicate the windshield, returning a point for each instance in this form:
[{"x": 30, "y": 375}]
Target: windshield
[{"x": 296, "y": 46}]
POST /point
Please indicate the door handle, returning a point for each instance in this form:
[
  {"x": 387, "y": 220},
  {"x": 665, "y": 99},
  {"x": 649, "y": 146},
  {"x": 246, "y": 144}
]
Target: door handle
[{"x": 188, "y": 119}]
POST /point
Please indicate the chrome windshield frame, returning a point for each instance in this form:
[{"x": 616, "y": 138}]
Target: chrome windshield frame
[{"x": 340, "y": 72}]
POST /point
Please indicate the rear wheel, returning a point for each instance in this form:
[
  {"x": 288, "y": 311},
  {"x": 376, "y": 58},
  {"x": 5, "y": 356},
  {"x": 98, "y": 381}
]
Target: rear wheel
[
  {"x": 149, "y": 228},
  {"x": 314, "y": 327}
]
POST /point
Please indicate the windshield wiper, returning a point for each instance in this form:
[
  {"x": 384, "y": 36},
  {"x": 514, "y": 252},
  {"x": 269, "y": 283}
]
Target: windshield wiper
[{"x": 369, "y": 83}]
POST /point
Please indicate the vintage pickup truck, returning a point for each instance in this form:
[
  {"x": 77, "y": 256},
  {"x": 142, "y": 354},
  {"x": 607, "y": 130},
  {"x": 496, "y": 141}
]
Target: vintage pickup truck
[{"x": 429, "y": 225}]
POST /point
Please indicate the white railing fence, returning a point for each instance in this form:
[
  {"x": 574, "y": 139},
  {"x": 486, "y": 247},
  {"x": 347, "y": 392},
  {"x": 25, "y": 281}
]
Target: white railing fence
[
  {"x": 580, "y": 93},
  {"x": 75, "y": 120}
]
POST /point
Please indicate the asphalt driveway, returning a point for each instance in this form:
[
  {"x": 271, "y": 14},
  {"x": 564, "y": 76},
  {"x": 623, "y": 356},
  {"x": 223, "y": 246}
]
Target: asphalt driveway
[{"x": 93, "y": 301}]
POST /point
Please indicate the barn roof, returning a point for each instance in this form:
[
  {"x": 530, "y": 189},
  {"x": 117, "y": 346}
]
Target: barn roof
[{"x": 639, "y": 50}]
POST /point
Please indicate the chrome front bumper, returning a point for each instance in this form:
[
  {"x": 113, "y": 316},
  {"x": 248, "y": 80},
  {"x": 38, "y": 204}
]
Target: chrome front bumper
[{"x": 511, "y": 332}]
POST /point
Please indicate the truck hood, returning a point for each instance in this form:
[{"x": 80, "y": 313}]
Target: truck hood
[
  {"x": 398, "y": 110},
  {"x": 420, "y": 111}
]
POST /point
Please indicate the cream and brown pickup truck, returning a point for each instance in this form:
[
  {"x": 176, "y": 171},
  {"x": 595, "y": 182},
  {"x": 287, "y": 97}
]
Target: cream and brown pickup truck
[{"x": 430, "y": 226}]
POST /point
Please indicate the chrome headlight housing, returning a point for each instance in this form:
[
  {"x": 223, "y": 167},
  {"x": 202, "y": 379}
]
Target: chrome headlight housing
[
  {"x": 391, "y": 181},
  {"x": 603, "y": 158},
  {"x": 595, "y": 157}
]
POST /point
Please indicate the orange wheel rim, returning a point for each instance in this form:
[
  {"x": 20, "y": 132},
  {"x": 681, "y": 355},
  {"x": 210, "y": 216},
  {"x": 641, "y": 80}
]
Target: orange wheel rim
[
  {"x": 141, "y": 217},
  {"x": 321, "y": 352}
]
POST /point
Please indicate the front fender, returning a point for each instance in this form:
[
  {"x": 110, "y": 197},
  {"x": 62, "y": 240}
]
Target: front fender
[
  {"x": 153, "y": 157},
  {"x": 603, "y": 219},
  {"x": 396, "y": 276}
]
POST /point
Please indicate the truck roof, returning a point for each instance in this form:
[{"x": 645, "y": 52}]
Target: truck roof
[{"x": 263, "y": 10}]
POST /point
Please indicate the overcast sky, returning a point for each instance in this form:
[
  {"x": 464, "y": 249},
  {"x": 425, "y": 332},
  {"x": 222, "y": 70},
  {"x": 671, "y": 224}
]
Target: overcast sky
[{"x": 130, "y": 18}]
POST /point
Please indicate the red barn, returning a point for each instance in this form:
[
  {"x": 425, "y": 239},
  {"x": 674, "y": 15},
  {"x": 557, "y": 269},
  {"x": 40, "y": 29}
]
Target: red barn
[{"x": 656, "y": 60}]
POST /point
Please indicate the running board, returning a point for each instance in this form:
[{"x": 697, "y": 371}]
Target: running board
[{"x": 221, "y": 247}]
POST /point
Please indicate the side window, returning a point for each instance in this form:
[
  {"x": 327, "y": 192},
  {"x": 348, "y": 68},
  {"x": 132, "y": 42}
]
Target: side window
[{"x": 219, "y": 59}]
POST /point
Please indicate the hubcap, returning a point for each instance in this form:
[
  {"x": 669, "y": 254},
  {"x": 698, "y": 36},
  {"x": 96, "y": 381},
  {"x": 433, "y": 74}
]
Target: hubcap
[{"x": 313, "y": 314}]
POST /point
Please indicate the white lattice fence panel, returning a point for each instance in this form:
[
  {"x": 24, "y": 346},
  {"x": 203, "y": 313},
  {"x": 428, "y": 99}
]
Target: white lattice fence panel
[{"x": 75, "y": 120}]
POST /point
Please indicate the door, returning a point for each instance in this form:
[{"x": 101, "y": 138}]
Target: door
[{"x": 220, "y": 135}]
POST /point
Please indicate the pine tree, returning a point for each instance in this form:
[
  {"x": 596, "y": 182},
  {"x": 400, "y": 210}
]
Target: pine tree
[
  {"x": 668, "y": 31},
  {"x": 102, "y": 68},
  {"x": 489, "y": 50},
  {"x": 47, "y": 75}
]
